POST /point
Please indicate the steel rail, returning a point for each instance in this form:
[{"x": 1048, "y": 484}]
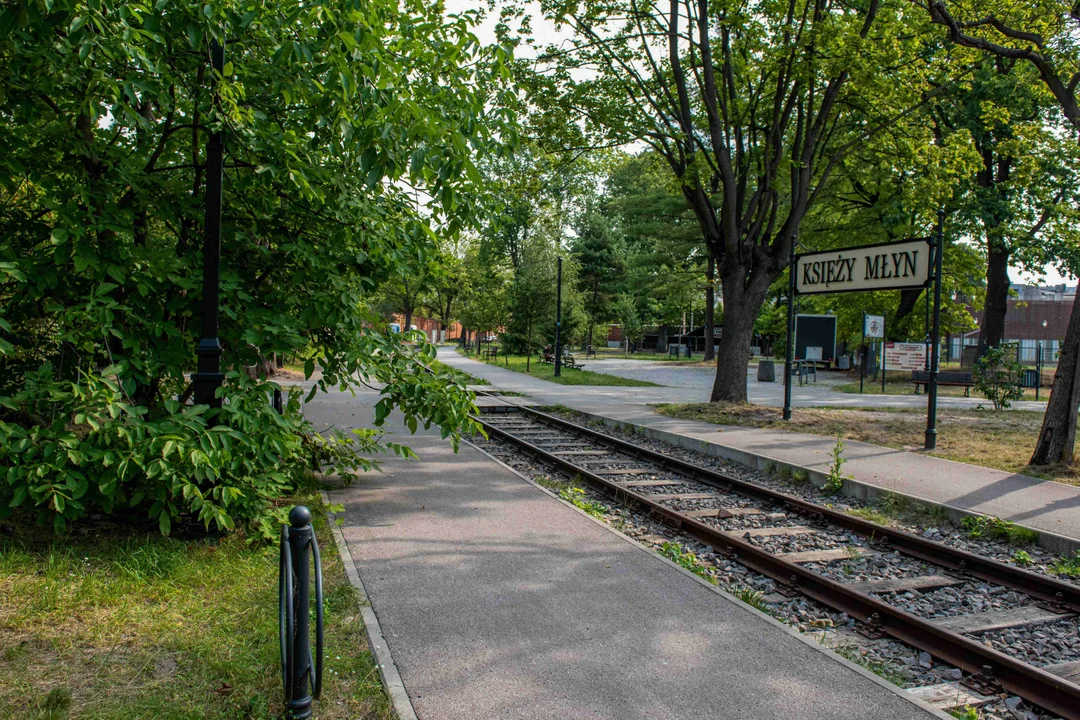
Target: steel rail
[
  {"x": 1050, "y": 590},
  {"x": 1035, "y": 685}
]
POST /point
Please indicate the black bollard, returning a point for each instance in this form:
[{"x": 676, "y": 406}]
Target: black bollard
[{"x": 301, "y": 676}]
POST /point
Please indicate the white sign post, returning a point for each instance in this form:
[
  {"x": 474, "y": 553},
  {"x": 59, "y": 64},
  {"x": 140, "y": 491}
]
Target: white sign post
[
  {"x": 873, "y": 326},
  {"x": 886, "y": 266}
]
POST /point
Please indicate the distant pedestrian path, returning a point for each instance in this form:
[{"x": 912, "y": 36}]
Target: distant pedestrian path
[{"x": 772, "y": 394}]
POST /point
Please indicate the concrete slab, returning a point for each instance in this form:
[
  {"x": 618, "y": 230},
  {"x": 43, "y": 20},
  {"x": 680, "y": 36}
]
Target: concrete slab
[
  {"x": 1049, "y": 507},
  {"x": 500, "y": 601}
]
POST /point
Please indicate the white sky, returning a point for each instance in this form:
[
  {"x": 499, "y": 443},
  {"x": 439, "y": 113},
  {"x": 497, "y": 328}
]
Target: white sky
[{"x": 545, "y": 33}]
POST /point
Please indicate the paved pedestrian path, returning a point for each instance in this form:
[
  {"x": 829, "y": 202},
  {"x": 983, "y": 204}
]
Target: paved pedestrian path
[
  {"x": 1044, "y": 505},
  {"x": 771, "y": 394},
  {"x": 499, "y": 601}
]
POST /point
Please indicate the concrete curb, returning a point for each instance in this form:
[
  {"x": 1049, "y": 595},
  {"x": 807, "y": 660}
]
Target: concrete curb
[
  {"x": 1053, "y": 542},
  {"x": 801, "y": 637},
  {"x": 388, "y": 671}
]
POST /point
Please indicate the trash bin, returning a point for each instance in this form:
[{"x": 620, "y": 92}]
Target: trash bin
[
  {"x": 766, "y": 371},
  {"x": 1030, "y": 379}
]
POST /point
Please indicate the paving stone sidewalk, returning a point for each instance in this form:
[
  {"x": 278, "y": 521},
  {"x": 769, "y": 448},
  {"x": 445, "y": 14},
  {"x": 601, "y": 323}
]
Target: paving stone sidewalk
[
  {"x": 499, "y": 601},
  {"x": 1040, "y": 504}
]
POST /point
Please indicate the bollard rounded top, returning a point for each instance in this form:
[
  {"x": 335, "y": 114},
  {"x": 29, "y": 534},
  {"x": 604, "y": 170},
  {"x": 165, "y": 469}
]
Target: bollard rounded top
[{"x": 299, "y": 517}]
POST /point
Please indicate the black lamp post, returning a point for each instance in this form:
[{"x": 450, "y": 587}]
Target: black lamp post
[
  {"x": 209, "y": 376},
  {"x": 558, "y": 321}
]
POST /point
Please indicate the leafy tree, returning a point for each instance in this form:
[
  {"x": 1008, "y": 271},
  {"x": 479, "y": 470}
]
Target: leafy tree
[
  {"x": 628, "y": 316},
  {"x": 1022, "y": 199},
  {"x": 751, "y": 104},
  {"x": 1042, "y": 34},
  {"x": 330, "y": 111},
  {"x": 531, "y": 297},
  {"x": 596, "y": 251},
  {"x": 447, "y": 285},
  {"x": 660, "y": 241}
]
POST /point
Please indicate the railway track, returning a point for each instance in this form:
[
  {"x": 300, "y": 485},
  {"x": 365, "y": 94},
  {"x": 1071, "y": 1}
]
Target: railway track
[{"x": 750, "y": 524}]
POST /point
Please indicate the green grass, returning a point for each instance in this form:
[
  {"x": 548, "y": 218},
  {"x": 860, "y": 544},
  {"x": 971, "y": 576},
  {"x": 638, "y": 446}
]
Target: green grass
[
  {"x": 568, "y": 376},
  {"x": 683, "y": 556},
  {"x": 649, "y": 356},
  {"x": 871, "y": 514},
  {"x": 753, "y": 598},
  {"x": 576, "y": 497},
  {"x": 977, "y": 526},
  {"x": 119, "y": 624},
  {"x": 880, "y": 669},
  {"x": 1069, "y": 567}
]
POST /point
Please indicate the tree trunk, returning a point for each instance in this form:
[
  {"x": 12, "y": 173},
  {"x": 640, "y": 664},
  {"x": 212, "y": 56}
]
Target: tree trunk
[
  {"x": 408, "y": 320},
  {"x": 742, "y": 304},
  {"x": 909, "y": 300},
  {"x": 992, "y": 331},
  {"x": 710, "y": 300},
  {"x": 1058, "y": 434}
]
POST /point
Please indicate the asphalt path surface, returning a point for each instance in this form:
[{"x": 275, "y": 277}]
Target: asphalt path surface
[{"x": 499, "y": 601}]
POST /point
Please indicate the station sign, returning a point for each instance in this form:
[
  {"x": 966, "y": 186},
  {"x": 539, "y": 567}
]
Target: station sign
[
  {"x": 888, "y": 266},
  {"x": 905, "y": 356}
]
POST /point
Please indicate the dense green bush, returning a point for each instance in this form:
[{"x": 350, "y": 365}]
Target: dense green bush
[
  {"x": 350, "y": 133},
  {"x": 998, "y": 376}
]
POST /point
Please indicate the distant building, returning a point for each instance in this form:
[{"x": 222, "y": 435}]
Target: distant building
[
  {"x": 1037, "y": 315},
  {"x": 431, "y": 328},
  {"x": 1050, "y": 293}
]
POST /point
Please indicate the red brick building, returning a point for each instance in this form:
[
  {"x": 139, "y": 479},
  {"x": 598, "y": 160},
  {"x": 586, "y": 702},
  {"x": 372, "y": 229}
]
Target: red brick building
[
  {"x": 431, "y": 328},
  {"x": 1027, "y": 324}
]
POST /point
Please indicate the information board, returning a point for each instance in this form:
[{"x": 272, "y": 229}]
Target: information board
[
  {"x": 874, "y": 326},
  {"x": 905, "y": 356}
]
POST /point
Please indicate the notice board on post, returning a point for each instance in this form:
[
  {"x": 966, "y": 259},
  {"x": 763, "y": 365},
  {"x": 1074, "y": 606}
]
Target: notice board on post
[
  {"x": 815, "y": 337},
  {"x": 905, "y": 356}
]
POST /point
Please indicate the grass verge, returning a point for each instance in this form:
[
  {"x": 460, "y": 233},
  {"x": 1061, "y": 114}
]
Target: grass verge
[
  {"x": 118, "y": 624},
  {"x": 1002, "y": 440},
  {"x": 569, "y": 376}
]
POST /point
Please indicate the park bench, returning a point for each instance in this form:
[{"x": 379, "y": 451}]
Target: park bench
[
  {"x": 570, "y": 362},
  {"x": 492, "y": 353},
  {"x": 804, "y": 369},
  {"x": 957, "y": 379},
  {"x": 548, "y": 358}
]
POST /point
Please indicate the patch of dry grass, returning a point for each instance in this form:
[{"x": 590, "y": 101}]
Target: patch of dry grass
[
  {"x": 117, "y": 624},
  {"x": 1002, "y": 440}
]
